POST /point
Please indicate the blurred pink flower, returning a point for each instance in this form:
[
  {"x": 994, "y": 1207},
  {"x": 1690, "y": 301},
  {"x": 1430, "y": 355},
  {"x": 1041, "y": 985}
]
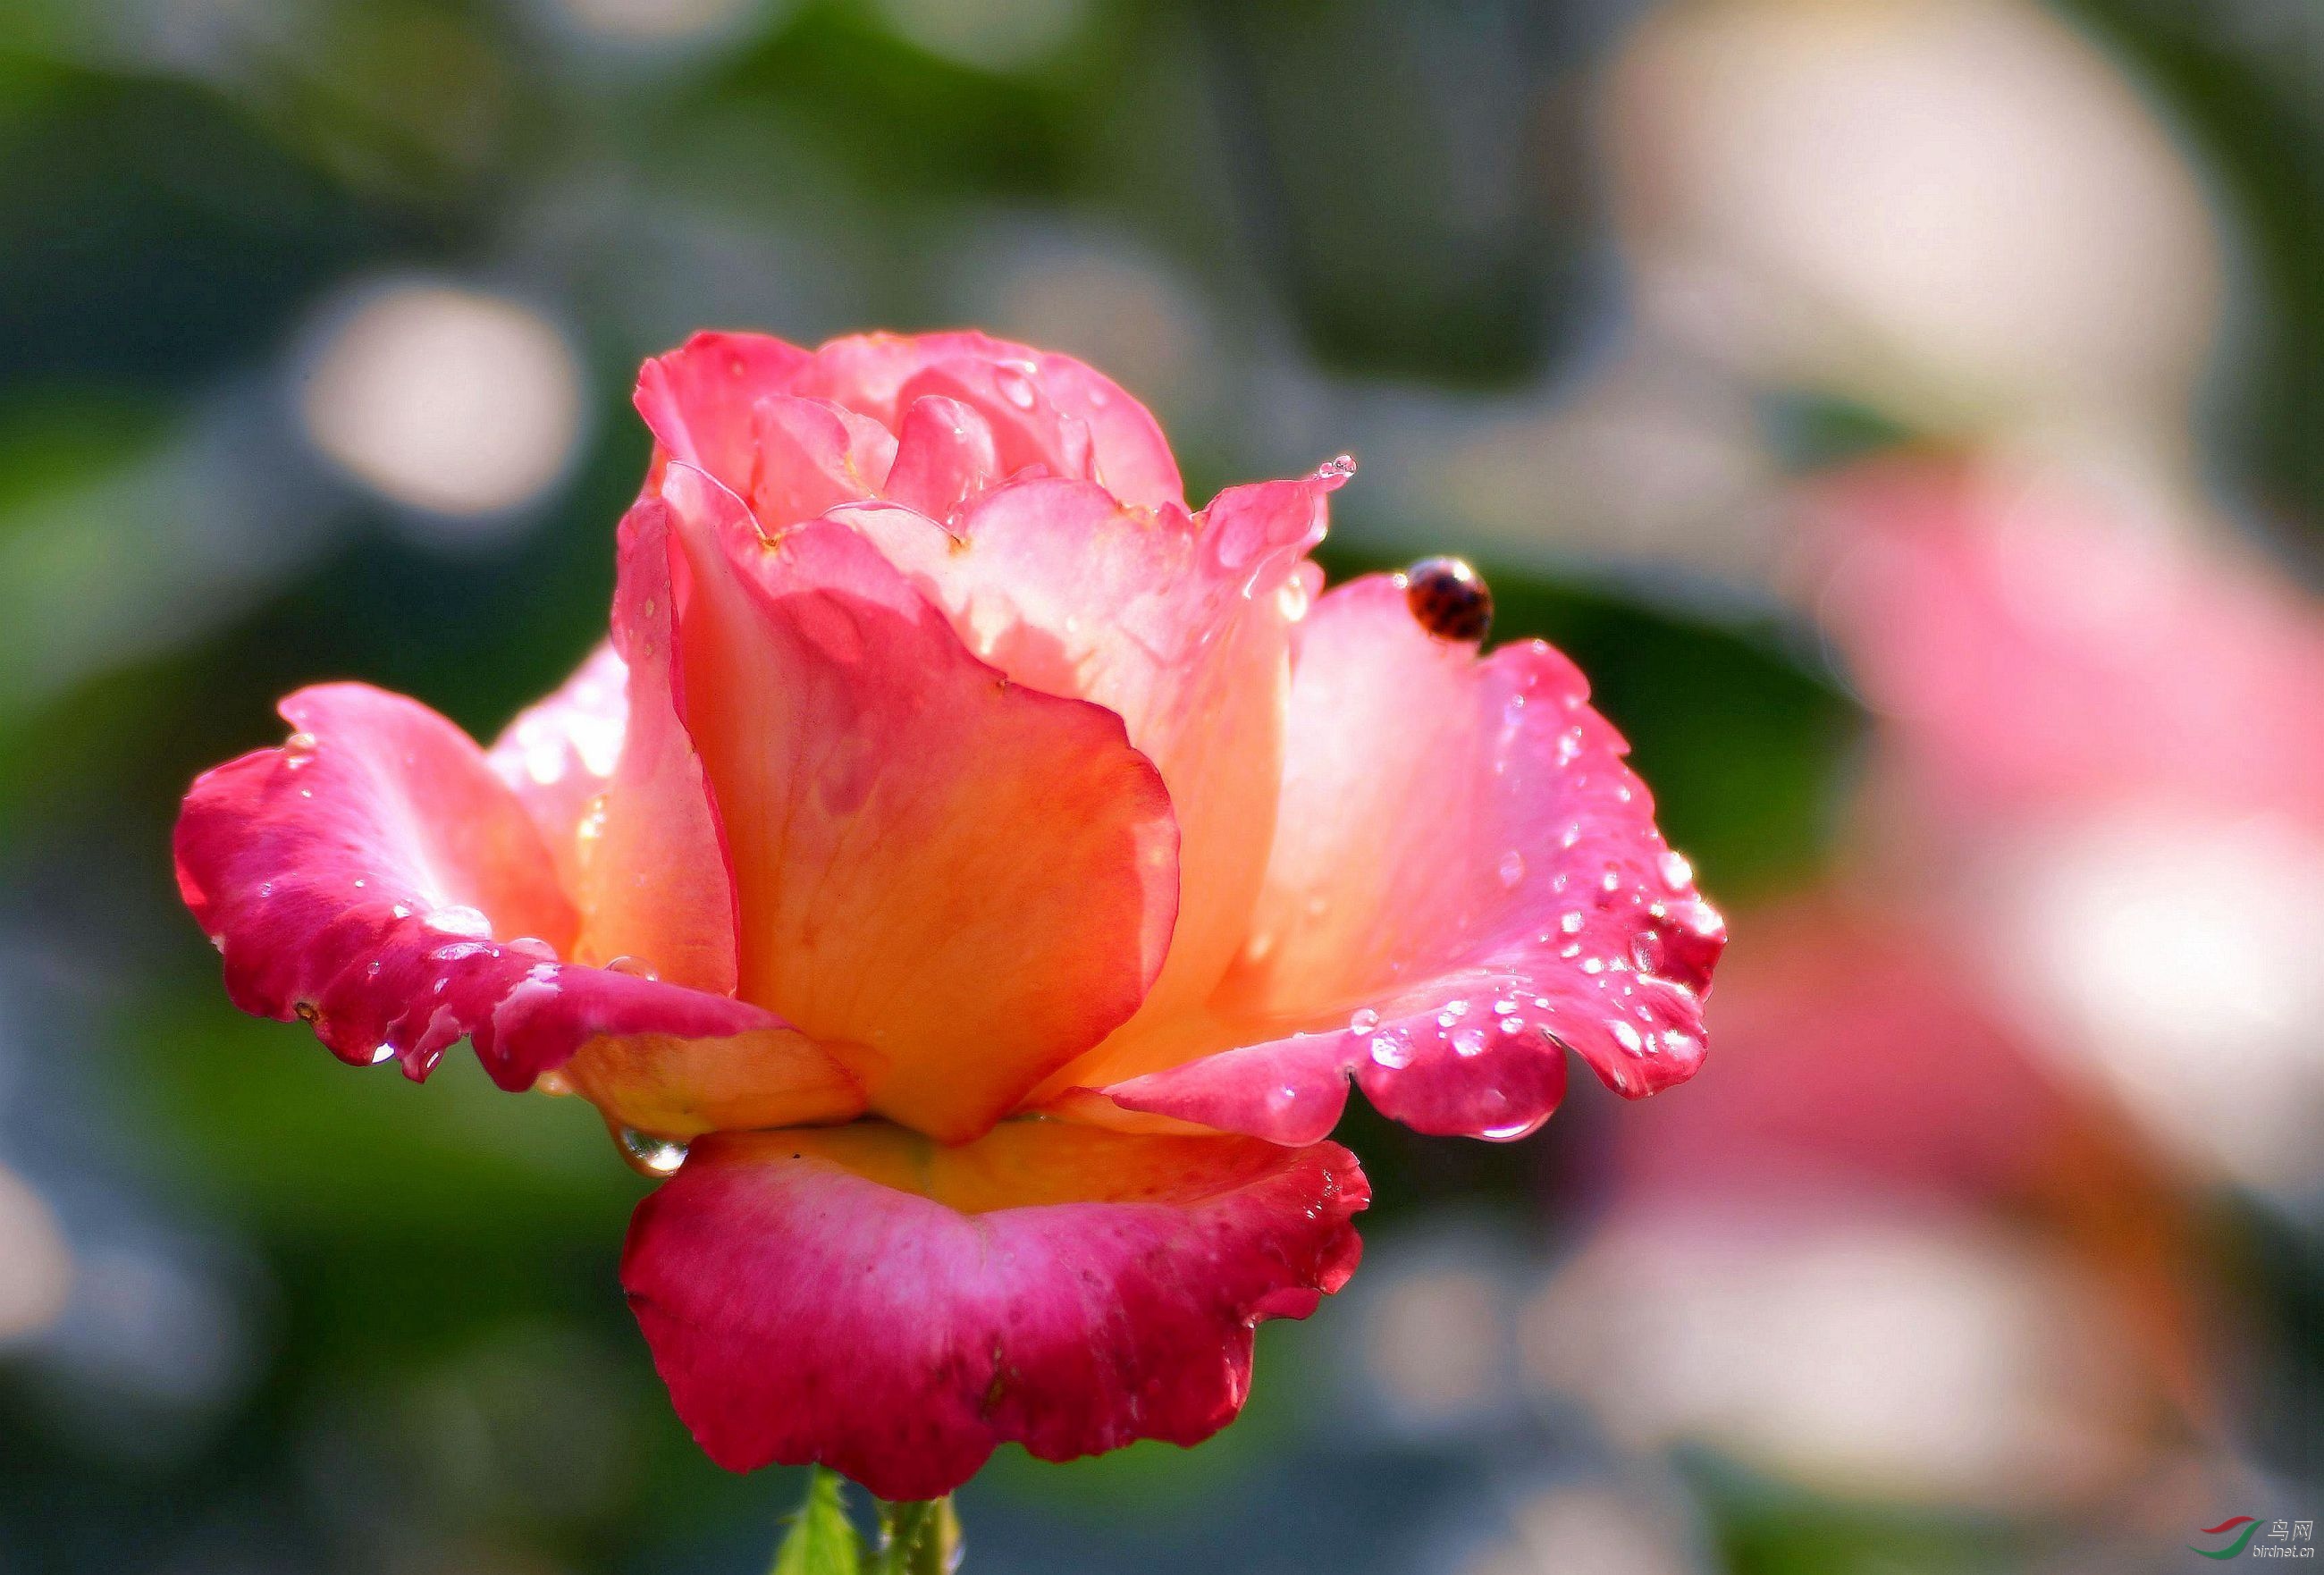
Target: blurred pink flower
[
  {"x": 2101, "y": 769},
  {"x": 943, "y": 771},
  {"x": 2030, "y": 651}
]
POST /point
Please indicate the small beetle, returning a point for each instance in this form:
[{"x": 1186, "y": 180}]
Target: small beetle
[{"x": 1448, "y": 599}]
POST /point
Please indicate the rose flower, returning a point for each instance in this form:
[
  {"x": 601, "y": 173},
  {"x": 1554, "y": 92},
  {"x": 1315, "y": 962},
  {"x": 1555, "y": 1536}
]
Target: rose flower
[{"x": 986, "y": 876}]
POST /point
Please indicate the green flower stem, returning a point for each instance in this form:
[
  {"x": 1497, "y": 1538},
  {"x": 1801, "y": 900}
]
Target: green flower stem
[{"x": 920, "y": 1537}]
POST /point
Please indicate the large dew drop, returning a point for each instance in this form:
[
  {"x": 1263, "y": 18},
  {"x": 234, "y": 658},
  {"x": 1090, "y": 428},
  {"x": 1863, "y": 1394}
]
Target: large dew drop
[{"x": 650, "y": 1155}]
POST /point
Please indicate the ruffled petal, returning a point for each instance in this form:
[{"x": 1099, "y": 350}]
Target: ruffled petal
[
  {"x": 375, "y": 878},
  {"x": 956, "y": 882},
  {"x": 1131, "y": 459},
  {"x": 701, "y": 400},
  {"x": 1041, "y": 410},
  {"x": 813, "y": 456},
  {"x": 945, "y": 456},
  {"x": 558, "y": 754},
  {"x": 1029, "y": 433},
  {"x": 1179, "y": 625},
  {"x": 1465, "y": 880},
  {"x": 895, "y": 1310}
]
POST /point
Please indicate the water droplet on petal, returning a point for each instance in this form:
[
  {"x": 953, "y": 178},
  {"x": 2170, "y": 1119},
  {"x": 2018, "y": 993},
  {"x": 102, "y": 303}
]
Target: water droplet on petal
[
  {"x": 1677, "y": 874},
  {"x": 1469, "y": 1041},
  {"x": 1513, "y": 1130},
  {"x": 1015, "y": 386},
  {"x": 381, "y": 1053},
  {"x": 635, "y": 967},
  {"x": 1391, "y": 1052},
  {"x": 650, "y": 1155},
  {"x": 1336, "y": 469},
  {"x": 1364, "y": 1021},
  {"x": 1571, "y": 924},
  {"x": 1627, "y": 1037},
  {"x": 1512, "y": 869}
]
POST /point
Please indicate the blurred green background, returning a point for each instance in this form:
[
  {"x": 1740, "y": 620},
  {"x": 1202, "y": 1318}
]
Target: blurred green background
[{"x": 318, "y": 319}]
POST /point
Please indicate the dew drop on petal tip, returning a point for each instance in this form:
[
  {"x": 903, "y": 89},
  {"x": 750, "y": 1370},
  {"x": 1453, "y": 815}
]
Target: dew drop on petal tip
[
  {"x": 1677, "y": 872},
  {"x": 1337, "y": 468},
  {"x": 648, "y": 1155}
]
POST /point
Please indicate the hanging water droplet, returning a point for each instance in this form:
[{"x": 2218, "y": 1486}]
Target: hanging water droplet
[
  {"x": 1336, "y": 469},
  {"x": 381, "y": 1053},
  {"x": 1512, "y": 869},
  {"x": 1513, "y": 1130},
  {"x": 650, "y": 1155}
]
